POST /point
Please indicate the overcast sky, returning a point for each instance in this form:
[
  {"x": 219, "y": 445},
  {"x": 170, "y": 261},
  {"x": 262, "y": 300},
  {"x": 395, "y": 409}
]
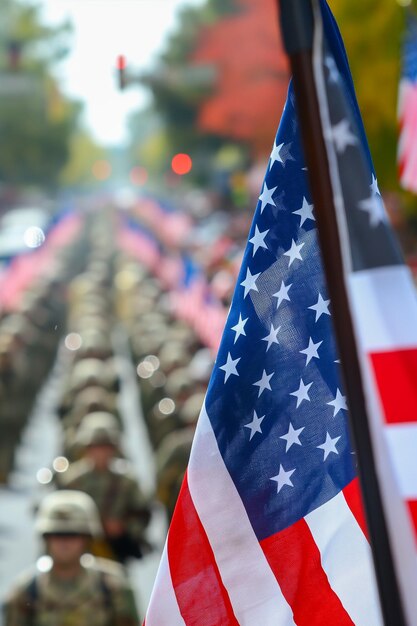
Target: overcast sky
[{"x": 103, "y": 29}]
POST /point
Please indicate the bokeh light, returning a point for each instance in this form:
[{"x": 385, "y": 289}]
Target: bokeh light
[
  {"x": 145, "y": 369},
  {"x": 73, "y": 341},
  {"x": 153, "y": 360},
  {"x": 44, "y": 563},
  {"x": 138, "y": 175},
  {"x": 60, "y": 464},
  {"x": 34, "y": 237},
  {"x": 166, "y": 406},
  {"x": 44, "y": 476},
  {"x": 181, "y": 164}
]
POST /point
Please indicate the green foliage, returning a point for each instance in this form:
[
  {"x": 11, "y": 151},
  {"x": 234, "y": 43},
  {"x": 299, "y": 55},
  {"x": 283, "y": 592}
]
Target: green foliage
[
  {"x": 176, "y": 100},
  {"x": 36, "y": 121},
  {"x": 83, "y": 153},
  {"x": 372, "y": 31}
]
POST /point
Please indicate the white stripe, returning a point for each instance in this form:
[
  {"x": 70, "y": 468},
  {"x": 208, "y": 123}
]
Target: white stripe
[
  {"x": 346, "y": 559},
  {"x": 402, "y": 444},
  {"x": 253, "y": 590},
  {"x": 163, "y": 607},
  {"x": 398, "y": 520},
  {"x": 384, "y": 304}
]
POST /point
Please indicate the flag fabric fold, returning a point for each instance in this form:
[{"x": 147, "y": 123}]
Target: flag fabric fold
[{"x": 269, "y": 527}]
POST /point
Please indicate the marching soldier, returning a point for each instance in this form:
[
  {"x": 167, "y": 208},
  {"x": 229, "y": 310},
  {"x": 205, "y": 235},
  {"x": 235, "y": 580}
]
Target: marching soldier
[
  {"x": 104, "y": 476},
  {"x": 75, "y": 589}
]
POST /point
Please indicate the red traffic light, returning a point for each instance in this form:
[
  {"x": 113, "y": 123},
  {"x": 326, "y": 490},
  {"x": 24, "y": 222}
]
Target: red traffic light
[
  {"x": 121, "y": 67},
  {"x": 121, "y": 62}
]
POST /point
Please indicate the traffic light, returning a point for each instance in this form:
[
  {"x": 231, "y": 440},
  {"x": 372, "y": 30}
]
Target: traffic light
[{"x": 121, "y": 71}]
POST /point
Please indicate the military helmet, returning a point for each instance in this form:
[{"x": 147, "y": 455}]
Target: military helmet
[
  {"x": 87, "y": 372},
  {"x": 68, "y": 512},
  {"x": 95, "y": 398},
  {"x": 99, "y": 428}
]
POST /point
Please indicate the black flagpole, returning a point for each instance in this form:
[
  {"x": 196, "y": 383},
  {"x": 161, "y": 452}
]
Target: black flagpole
[{"x": 297, "y": 25}]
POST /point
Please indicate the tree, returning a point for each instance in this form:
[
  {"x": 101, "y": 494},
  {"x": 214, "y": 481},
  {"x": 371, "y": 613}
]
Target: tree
[
  {"x": 210, "y": 90},
  {"x": 372, "y": 34},
  {"x": 176, "y": 97},
  {"x": 252, "y": 75},
  {"x": 36, "y": 121},
  {"x": 84, "y": 152}
]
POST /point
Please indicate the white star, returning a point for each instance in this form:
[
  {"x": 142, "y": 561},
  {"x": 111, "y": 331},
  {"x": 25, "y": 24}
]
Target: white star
[
  {"x": 311, "y": 350},
  {"x": 275, "y": 155},
  {"x": 282, "y": 294},
  {"x": 272, "y": 337},
  {"x": 283, "y": 478},
  {"x": 294, "y": 252},
  {"x": 255, "y": 425},
  {"x": 343, "y": 136},
  {"x": 239, "y": 328},
  {"x": 250, "y": 282},
  {"x": 301, "y": 393},
  {"x": 306, "y": 212},
  {"x": 375, "y": 207},
  {"x": 321, "y": 307},
  {"x": 339, "y": 403},
  {"x": 329, "y": 446},
  {"x": 266, "y": 196},
  {"x": 292, "y": 437},
  {"x": 258, "y": 240},
  {"x": 263, "y": 383},
  {"x": 333, "y": 71},
  {"x": 374, "y": 186},
  {"x": 230, "y": 367}
]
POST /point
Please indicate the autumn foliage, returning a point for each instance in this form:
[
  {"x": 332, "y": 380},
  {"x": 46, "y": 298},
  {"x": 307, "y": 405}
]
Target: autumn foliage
[{"x": 252, "y": 75}]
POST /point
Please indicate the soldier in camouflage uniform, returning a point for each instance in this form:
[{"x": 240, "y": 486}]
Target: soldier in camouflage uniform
[
  {"x": 173, "y": 453},
  {"x": 75, "y": 589},
  {"x": 15, "y": 402},
  {"x": 103, "y": 475}
]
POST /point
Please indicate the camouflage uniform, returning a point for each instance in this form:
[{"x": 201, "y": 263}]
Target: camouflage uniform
[
  {"x": 173, "y": 453},
  {"x": 15, "y": 402},
  {"x": 97, "y": 595},
  {"x": 172, "y": 460},
  {"x": 114, "y": 490}
]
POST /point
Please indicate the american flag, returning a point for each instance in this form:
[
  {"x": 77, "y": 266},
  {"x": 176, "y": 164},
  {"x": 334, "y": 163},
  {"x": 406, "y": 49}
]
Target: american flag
[
  {"x": 383, "y": 304},
  {"x": 268, "y": 528},
  {"x": 407, "y": 107}
]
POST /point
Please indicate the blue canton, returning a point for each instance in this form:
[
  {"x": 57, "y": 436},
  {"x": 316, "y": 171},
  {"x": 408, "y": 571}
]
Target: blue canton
[{"x": 275, "y": 399}]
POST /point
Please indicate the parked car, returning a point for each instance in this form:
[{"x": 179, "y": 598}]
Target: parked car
[{"x": 21, "y": 230}]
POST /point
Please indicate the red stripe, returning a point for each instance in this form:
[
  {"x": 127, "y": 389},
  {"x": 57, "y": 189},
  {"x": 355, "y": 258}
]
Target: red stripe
[
  {"x": 353, "y": 499},
  {"x": 412, "y": 507},
  {"x": 395, "y": 374},
  {"x": 295, "y": 560},
  {"x": 201, "y": 595}
]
